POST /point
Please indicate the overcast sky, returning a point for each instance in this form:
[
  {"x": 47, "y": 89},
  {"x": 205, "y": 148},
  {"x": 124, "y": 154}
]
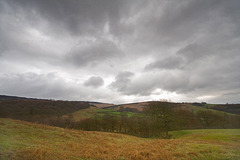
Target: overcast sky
[{"x": 120, "y": 51}]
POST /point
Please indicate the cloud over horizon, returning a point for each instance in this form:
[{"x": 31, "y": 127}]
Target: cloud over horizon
[{"x": 121, "y": 51}]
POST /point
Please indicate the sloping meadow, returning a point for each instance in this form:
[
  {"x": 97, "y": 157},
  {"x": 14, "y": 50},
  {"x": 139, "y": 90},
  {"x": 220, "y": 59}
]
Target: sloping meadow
[{"x": 24, "y": 140}]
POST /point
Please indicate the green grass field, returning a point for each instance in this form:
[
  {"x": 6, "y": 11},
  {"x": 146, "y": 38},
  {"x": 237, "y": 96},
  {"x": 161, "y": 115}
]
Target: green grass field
[
  {"x": 24, "y": 140},
  {"x": 93, "y": 111}
]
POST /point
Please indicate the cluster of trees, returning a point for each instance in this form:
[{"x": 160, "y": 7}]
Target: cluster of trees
[{"x": 135, "y": 125}]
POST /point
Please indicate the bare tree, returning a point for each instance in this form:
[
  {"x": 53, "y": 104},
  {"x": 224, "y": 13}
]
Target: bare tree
[{"x": 163, "y": 113}]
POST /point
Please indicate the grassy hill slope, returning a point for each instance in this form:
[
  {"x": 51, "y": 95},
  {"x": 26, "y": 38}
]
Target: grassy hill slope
[{"x": 24, "y": 140}]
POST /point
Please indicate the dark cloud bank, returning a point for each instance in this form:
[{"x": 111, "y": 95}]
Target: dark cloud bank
[{"x": 138, "y": 50}]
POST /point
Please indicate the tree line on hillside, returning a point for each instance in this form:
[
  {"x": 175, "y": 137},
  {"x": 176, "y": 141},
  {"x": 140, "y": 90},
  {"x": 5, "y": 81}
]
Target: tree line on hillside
[{"x": 157, "y": 119}]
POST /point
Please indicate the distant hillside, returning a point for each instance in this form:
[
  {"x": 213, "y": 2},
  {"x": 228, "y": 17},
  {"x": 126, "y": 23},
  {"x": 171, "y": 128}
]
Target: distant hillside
[
  {"x": 98, "y": 116},
  {"x": 100, "y": 105},
  {"x": 138, "y": 107},
  {"x": 5, "y": 97},
  {"x": 38, "y": 110},
  {"x": 229, "y": 108},
  {"x": 130, "y": 107}
]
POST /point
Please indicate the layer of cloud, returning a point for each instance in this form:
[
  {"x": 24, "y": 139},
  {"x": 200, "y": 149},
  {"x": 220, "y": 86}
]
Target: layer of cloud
[
  {"x": 36, "y": 85},
  {"x": 94, "y": 82},
  {"x": 188, "y": 48},
  {"x": 93, "y": 52},
  {"x": 167, "y": 63},
  {"x": 122, "y": 81}
]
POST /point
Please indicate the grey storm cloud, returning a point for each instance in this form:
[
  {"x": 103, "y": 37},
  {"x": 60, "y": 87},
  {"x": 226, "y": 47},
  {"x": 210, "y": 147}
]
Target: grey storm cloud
[
  {"x": 194, "y": 51},
  {"x": 178, "y": 22},
  {"x": 122, "y": 81},
  {"x": 100, "y": 50},
  {"x": 94, "y": 82},
  {"x": 147, "y": 83},
  {"x": 189, "y": 47},
  {"x": 167, "y": 63},
  {"x": 75, "y": 17}
]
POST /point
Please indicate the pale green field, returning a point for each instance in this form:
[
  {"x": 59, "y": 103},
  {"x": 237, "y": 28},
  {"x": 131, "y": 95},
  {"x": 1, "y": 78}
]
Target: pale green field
[{"x": 93, "y": 111}]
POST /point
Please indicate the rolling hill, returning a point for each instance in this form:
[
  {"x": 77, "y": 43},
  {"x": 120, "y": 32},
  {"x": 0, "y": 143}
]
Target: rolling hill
[
  {"x": 8, "y": 103},
  {"x": 24, "y": 140},
  {"x": 97, "y": 116}
]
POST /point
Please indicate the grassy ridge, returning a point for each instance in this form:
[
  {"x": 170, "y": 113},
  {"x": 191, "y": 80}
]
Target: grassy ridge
[{"x": 24, "y": 140}]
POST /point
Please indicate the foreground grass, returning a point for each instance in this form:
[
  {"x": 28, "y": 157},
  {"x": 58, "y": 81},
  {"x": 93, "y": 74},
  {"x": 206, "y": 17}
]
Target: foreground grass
[{"x": 23, "y": 140}]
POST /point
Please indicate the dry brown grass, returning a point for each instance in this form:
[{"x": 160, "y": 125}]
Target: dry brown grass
[
  {"x": 138, "y": 106},
  {"x": 101, "y": 146},
  {"x": 41, "y": 142},
  {"x": 101, "y": 105},
  {"x": 98, "y": 150}
]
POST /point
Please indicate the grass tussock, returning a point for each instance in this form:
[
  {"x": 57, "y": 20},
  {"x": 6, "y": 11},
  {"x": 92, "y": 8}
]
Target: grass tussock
[{"x": 23, "y": 140}]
